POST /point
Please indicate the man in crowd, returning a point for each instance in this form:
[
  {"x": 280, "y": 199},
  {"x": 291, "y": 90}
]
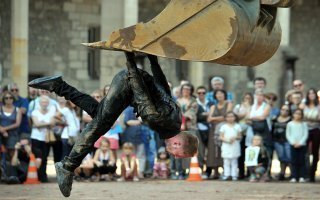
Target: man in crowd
[
  {"x": 217, "y": 83},
  {"x": 299, "y": 86},
  {"x": 259, "y": 83}
]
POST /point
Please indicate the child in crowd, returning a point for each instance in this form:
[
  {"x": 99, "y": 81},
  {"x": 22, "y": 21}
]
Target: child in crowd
[
  {"x": 85, "y": 170},
  {"x": 129, "y": 168},
  {"x": 230, "y": 135},
  {"x": 257, "y": 160},
  {"x": 161, "y": 167},
  {"x": 104, "y": 161},
  {"x": 113, "y": 136},
  {"x": 297, "y": 135}
]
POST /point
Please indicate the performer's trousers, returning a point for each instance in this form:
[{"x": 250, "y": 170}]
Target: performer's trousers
[{"x": 126, "y": 88}]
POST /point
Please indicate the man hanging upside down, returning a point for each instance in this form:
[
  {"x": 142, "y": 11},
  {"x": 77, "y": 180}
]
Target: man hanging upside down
[{"x": 149, "y": 95}]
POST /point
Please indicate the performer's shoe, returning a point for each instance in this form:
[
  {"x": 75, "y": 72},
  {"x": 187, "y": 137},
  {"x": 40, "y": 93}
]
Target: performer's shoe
[
  {"x": 64, "y": 179},
  {"x": 46, "y": 83}
]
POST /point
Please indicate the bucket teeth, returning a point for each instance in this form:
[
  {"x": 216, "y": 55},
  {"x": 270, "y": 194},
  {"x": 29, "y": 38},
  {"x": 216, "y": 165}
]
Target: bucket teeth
[
  {"x": 101, "y": 45},
  {"x": 95, "y": 45}
]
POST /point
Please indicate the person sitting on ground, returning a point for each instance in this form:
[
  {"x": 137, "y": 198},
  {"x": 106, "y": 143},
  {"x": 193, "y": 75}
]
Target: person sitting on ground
[
  {"x": 104, "y": 162},
  {"x": 258, "y": 171},
  {"x": 161, "y": 167},
  {"x": 129, "y": 168},
  {"x": 18, "y": 168},
  {"x": 129, "y": 87},
  {"x": 85, "y": 170}
]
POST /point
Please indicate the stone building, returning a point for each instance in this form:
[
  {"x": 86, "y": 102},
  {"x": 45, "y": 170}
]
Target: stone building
[{"x": 43, "y": 37}]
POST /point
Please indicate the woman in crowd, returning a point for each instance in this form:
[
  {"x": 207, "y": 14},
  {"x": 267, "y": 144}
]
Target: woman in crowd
[
  {"x": 189, "y": 108},
  {"x": 259, "y": 114},
  {"x": 67, "y": 115},
  {"x": 243, "y": 112},
  {"x": 216, "y": 118},
  {"x": 271, "y": 99},
  {"x": 297, "y": 134},
  {"x": 311, "y": 110},
  {"x": 10, "y": 119},
  {"x": 203, "y": 125},
  {"x": 43, "y": 121},
  {"x": 280, "y": 142}
]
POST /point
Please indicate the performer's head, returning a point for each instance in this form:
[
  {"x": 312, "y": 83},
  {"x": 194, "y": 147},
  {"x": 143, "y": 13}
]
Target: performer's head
[{"x": 182, "y": 145}]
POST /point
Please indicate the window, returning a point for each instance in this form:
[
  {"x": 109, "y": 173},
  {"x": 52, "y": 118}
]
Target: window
[{"x": 94, "y": 54}]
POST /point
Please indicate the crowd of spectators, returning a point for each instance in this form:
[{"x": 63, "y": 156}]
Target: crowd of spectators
[{"x": 240, "y": 138}]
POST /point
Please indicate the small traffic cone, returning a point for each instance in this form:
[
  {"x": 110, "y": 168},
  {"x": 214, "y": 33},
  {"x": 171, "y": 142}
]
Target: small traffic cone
[
  {"x": 32, "y": 177},
  {"x": 195, "y": 171}
]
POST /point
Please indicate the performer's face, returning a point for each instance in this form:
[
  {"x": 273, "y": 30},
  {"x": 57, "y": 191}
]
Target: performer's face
[{"x": 182, "y": 145}]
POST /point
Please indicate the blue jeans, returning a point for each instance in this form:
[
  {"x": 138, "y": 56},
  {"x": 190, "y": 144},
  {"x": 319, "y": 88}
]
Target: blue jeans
[
  {"x": 148, "y": 137},
  {"x": 283, "y": 151}
]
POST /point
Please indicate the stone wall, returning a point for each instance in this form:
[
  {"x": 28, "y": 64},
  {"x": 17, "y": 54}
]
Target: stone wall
[
  {"x": 150, "y": 8},
  {"x": 5, "y": 40},
  {"x": 305, "y": 31},
  {"x": 57, "y": 29}
]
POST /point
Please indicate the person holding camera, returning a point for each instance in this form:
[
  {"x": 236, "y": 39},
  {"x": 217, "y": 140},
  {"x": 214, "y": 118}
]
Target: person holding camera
[{"x": 18, "y": 168}]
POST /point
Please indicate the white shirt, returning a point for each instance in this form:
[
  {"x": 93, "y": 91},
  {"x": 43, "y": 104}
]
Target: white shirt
[
  {"x": 40, "y": 133},
  {"x": 258, "y": 112},
  {"x": 35, "y": 105},
  {"x": 230, "y": 150},
  {"x": 73, "y": 123}
]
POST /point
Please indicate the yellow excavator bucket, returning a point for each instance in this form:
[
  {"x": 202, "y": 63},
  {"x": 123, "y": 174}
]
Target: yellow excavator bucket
[{"x": 231, "y": 32}]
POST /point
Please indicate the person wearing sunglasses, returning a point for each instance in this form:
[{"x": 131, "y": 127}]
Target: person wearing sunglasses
[
  {"x": 298, "y": 86},
  {"x": 21, "y": 103},
  {"x": 280, "y": 141},
  {"x": 10, "y": 119},
  {"x": 202, "y": 114}
]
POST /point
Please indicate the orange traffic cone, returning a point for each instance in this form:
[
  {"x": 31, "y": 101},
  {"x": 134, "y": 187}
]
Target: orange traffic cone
[
  {"x": 32, "y": 177},
  {"x": 195, "y": 171}
]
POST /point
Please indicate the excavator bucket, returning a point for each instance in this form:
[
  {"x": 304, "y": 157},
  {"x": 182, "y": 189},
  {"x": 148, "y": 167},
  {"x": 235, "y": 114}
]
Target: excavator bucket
[{"x": 231, "y": 32}]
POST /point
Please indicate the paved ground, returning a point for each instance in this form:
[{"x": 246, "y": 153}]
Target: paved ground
[{"x": 165, "y": 190}]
